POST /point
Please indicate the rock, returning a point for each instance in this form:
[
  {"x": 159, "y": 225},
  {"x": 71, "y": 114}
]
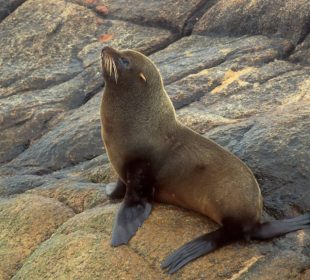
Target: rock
[
  {"x": 25, "y": 222},
  {"x": 236, "y": 71},
  {"x": 26, "y": 117},
  {"x": 50, "y": 76},
  {"x": 97, "y": 170},
  {"x": 288, "y": 264},
  {"x": 201, "y": 121},
  {"x": 76, "y": 195},
  {"x": 253, "y": 91},
  {"x": 263, "y": 107},
  {"x": 77, "y": 137},
  {"x": 86, "y": 240},
  {"x": 275, "y": 147},
  {"x": 8, "y": 6},
  {"x": 306, "y": 274},
  {"x": 192, "y": 54},
  {"x": 19, "y": 184},
  {"x": 42, "y": 56},
  {"x": 240, "y": 82},
  {"x": 168, "y": 14},
  {"x": 302, "y": 52},
  {"x": 288, "y": 19}
]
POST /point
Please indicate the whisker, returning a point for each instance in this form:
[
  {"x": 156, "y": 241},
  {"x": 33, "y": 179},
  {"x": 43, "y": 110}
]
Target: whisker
[
  {"x": 110, "y": 66},
  {"x": 115, "y": 71},
  {"x": 105, "y": 63}
]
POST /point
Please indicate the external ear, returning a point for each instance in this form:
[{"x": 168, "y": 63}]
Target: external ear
[{"x": 142, "y": 77}]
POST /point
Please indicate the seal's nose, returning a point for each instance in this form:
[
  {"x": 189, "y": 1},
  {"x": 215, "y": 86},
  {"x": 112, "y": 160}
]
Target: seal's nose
[{"x": 107, "y": 50}]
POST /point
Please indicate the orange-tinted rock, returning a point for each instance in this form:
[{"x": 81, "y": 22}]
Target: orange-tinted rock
[
  {"x": 81, "y": 249},
  {"x": 25, "y": 222}
]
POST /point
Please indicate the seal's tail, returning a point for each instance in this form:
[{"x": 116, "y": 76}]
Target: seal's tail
[{"x": 231, "y": 232}]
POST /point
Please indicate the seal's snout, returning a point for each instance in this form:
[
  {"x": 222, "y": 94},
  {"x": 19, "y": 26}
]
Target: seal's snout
[
  {"x": 108, "y": 51},
  {"x": 108, "y": 56}
]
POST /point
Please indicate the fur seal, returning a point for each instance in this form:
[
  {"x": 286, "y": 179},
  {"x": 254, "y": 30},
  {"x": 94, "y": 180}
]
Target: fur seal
[{"x": 158, "y": 158}]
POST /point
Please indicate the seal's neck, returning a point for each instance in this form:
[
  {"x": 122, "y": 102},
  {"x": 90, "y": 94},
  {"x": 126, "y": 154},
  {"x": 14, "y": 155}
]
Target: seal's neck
[{"x": 142, "y": 106}]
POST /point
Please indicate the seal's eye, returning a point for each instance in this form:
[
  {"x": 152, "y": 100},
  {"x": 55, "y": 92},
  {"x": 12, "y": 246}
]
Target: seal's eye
[{"x": 124, "y": 62}]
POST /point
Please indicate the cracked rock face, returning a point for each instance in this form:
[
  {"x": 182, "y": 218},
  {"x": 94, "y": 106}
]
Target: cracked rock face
[
  {"x": 237, "y": 72},
  {"x": 288, "y": 19}
]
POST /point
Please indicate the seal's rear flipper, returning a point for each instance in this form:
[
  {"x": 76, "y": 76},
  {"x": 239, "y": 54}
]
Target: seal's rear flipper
[
  {"x": 137, "y": 204},
  {"x": 229, "y": 233},
  {"x": 129, "y": 218},
  {"x": 199, "y": 247},
  {"x": 277, "y": 228},
  {"x": 116, "y": 190}
]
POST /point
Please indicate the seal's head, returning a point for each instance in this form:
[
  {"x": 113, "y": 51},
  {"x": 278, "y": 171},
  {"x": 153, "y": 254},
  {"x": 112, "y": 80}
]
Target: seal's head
[{"x": 129, "y": 69}]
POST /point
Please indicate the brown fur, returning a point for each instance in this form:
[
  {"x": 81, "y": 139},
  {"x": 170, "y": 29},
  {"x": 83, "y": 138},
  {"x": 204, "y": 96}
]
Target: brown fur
[{"x": 191, "y": 171}]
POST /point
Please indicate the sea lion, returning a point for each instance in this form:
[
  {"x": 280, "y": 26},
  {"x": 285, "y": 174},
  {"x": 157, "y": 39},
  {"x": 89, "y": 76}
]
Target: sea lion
[{"x": 158, "y": 158}]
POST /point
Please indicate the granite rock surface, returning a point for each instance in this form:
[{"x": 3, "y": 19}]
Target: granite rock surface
[{"x": 237, "y": 72}]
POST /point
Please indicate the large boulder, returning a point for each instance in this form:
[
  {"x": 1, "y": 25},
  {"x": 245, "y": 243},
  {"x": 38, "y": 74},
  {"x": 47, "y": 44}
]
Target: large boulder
[
  {"x": 80, "y": 249},
  {"x": 288, "y": 19},
  {"x": 25, "y": 222},
  {"x": 237, "y": 72}
]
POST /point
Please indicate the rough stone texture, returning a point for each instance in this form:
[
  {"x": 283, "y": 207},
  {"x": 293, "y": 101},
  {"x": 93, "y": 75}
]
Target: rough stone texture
[
  {"x": 192, "y": 54},
  {"x": 42, "y": 75},
  {"x": 234, "y": 115},
  {"x": 76, "y": 195},
  {"x": 276, "y": 149},
  {"x": 77, "y": 137},
  {"x": 169, "y": 14},
  {"x": 19, "y": 184},
  {"x": 25, "y": 222},
  {"x": 302, "y": 52},
  {"x": 7, "y": 6},
  {"x": 289, "y": 19},
  {"x": 248, "y": 93},
  {"x": 82, "y": 244},
  {"x": 241, "y": 83}
]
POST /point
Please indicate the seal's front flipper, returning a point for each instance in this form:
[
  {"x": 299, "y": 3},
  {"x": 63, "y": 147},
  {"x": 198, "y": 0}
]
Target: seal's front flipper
[
  {"x": 129, "y": 218},
  {"x": 116, "y": 190},
  {"x": 137, "y": 204}
]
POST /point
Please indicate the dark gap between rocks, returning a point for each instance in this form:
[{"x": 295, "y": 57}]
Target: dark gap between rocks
[
  {"x": 11, "y": 8},
  {"x": 286, "y": 54},
  {"x": 305, "y": 33},
  {"x": 91, "y": 94},
  {"x": 196, "y": 15},
  {"x": 300, "y": 41},
  {"x": 162, "y": 45}
]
